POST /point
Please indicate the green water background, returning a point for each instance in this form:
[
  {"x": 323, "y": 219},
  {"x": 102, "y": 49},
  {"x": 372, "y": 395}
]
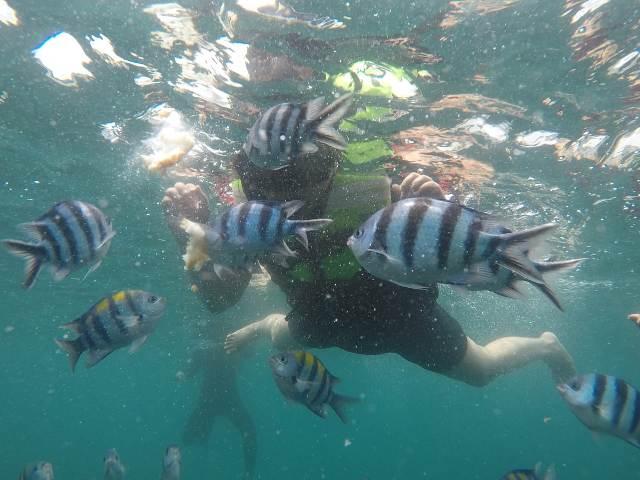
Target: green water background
[{"x": 412, "y": 424}]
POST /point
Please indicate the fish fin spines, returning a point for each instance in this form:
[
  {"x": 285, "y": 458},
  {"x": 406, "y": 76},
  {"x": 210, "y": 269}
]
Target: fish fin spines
[
  {"x": 550, "y": 294},
  {"x": 33, "y": 255},
  {"x": 73, "y": 348}
]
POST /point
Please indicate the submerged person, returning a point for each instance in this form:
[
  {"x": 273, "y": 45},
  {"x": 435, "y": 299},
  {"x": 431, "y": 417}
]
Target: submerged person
[
  {"x": 336, "y": 303},
  {"x": 218, "y": 393}
]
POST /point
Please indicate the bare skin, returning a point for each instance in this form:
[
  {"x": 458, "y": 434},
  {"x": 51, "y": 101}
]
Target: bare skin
[
  {"x": 218, "y": 394},
  {"x": 479, "y": 366}
]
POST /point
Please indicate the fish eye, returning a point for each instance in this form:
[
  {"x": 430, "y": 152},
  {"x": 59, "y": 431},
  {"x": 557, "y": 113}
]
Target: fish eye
[
  {"x": 575, "y": 384},
  {"x": 359, "y": 233},
  {"x": 153, "y": 299}
]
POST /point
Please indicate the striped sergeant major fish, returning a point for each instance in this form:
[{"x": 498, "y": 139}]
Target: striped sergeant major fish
[
  {"x": 113, "y": 467},
  {"x": 125, "y": 318},
  {"x": 248, "y": 229},
  {"x": 605, "y": 404},
  {"x": 303, "y": 378},
  {"x": 419, "y": 241},
  {"x": 531, "y": 474},
  {"x": 70, "y": 235},
  {"x": 37, "y": 471},
  {"x": 171, "y": 463},
  {"x": 289, "y": 130}
]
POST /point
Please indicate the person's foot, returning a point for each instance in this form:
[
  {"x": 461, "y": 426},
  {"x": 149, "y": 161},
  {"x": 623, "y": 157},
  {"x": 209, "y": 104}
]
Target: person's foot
[
  {"x": 241, "y": 338},
  {"x": 558, "y": 359},
  {"x": 184, "y": 200}
]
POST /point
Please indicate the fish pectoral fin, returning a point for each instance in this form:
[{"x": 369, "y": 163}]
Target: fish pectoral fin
[
  {"x": 302, "y": 385},
  {"x": 386, "y": 256},
  {"x": 61, "y": 274},
  {"x": 137, "y": 343},
  {"x": 129, "y": 321},
  {"x": 96, "y": 356}
]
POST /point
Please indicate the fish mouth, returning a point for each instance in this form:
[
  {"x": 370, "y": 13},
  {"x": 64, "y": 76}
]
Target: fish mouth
[
  {"x": 350, "y": 241},
  {"x": 562, "y": 388}
]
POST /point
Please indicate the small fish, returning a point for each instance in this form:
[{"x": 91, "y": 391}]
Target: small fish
[
  {"x": 113, "y": 468},
  {"x": 171, "y": 463},
  {"x": 37, "y": 471},
  {"x": 302, "y": 377},
  {"x": 125, "y": 318},
  {"x": 69, "y": 236},
  {"x": 419, "y": 241},
  {"x": 531, "y": 474},
  {"x": 288, "y": 130},
  {"x": 246, "y": 230},
  {"x": 605, "y": 404}
]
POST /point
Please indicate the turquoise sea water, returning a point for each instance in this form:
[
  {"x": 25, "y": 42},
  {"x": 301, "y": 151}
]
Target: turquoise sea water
[{"x": 411, "y": 423}]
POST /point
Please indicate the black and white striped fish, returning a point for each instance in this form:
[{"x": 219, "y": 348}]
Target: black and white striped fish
[
  {"x": 605, "y": 404},
  {"x": 125, "y": 318},
  {"x": 113, "y": 467},
  {"x": 289, "y": 130},
  {"x": 70, "y": 235},
  {"x": 249, "y": 229},
  {"x": 419, "y": 241},
  {"x": 37, "y": 471},
  {"x": 301, "y": 377},
  {"x": 171, "y": 463}
]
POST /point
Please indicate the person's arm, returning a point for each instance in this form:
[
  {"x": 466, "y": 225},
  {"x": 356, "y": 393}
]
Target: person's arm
[{"x": 189, "y": 201}]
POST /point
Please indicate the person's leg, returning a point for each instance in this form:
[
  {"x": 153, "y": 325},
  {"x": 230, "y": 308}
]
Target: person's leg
[
  {"x": 273, "y": 327},
  {"x": 481, "y": 364}
]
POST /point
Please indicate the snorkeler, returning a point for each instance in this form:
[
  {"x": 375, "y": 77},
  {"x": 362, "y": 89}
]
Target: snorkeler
[
  {"x": 335, "y": 303},
  {"x": 218, "y": 393}
]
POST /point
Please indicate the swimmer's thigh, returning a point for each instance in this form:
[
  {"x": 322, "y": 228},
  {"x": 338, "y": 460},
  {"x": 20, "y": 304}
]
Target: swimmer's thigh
[{"x": 434, "y": 341}]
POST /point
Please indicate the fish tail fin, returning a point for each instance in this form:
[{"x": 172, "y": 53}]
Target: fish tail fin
[
  {"x": 301, "y": 227},
  {"x": 74, "y": 348},
  {"x": 339, "y": 403},
  {"x": 514, "y": 247},
  {"x": 322, "y": 121},
  {"x": 33, "y": 255},
  {"x": 551, "y": 267}
]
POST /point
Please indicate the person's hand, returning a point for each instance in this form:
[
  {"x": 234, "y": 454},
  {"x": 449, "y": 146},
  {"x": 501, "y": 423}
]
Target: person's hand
[
  {"x": 186, "y": 200},
  {"x": 416, "y": 185}
]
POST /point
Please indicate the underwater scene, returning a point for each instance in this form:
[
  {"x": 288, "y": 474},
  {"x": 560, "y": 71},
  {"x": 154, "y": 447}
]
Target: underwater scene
[{"x": 368, "y": 240}]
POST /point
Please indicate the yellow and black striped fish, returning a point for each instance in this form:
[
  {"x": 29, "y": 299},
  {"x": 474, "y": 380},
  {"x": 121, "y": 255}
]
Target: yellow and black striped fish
[
  {"x": 124, "y": 318},
  {"x": 303, "y": 378}
]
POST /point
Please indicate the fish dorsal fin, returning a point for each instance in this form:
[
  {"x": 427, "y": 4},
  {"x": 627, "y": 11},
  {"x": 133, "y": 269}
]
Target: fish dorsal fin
[
  {"x": 137, "y": 343},
  {"x": 96, "y": 356},
  {"x": 291, "y": 207},
  {"x": 314, "y": 109}
]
